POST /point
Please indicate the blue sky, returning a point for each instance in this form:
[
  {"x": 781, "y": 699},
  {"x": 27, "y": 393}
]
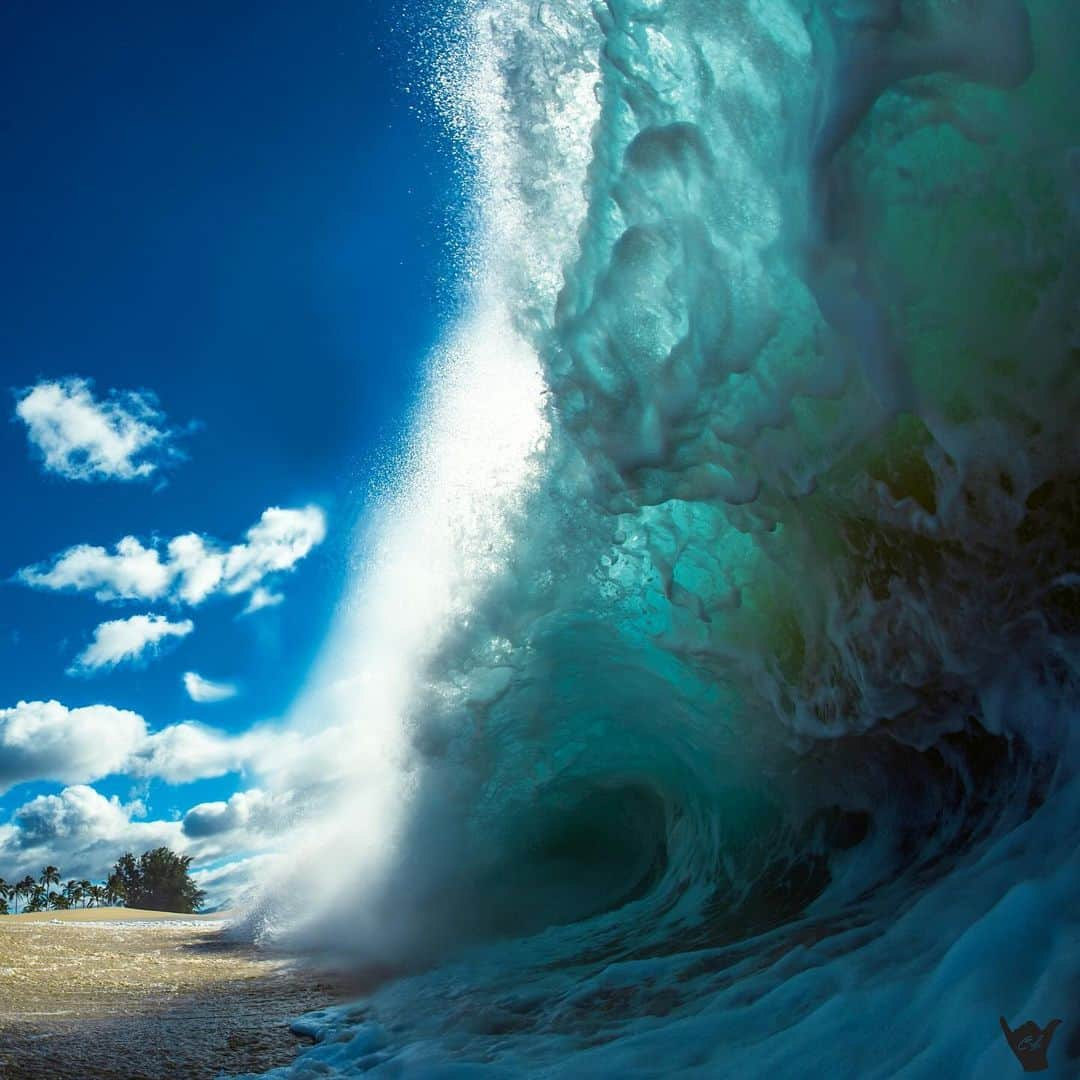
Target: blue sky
[{"x": 225, "y": 220}]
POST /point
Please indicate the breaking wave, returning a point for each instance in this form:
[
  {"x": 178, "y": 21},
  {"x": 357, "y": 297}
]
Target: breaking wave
[{"x": 707, "y": 704}]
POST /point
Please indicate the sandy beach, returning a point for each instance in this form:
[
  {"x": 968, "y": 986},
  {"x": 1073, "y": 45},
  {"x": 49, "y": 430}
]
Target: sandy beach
[{"x": 136, "y": 995}]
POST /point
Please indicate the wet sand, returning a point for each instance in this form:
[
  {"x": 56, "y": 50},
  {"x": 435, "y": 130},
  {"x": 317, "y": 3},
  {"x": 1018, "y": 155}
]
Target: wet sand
[{"x": 121, "y": 995}]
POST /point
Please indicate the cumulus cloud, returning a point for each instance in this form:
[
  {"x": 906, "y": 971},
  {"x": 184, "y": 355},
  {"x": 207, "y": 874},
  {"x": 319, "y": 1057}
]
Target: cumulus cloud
[
  {"x": 81, "y": 831},
  {"x": 213, "y": 818},
  {"x": 84, "y": 833},
  {"x": 79, "y": 437},
  {"x": 188, "y": 751},
  {"x": 191, "y": 568},
  {"x": 254, "y": 811},
  {"x": 44, "y": 740},
  {"x": 79, "y": 812},
  {"x": 204, "y": 691},
  {"x": 48, "y": 741},
  {"x": 125, "y": 640},
  {"x": 129, "y": 572}
]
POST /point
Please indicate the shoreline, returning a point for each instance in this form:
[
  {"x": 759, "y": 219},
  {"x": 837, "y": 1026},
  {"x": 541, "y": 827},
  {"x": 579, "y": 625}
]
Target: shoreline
[
  {"x": 136, "y": 995},
  {"x": 113, "y": 915}
]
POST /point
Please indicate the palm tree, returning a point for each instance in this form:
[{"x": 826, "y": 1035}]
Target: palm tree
[
  {"x": 24, "y": 888},
  {"x": 49, "y": 876},
  {"x": 5, "y": 893},
  {"x": 86, "y": 888},
  {"x": 114, "y": 889},
  {"x": 97, "y": 893},
  {"x": 70, "y": 888}
]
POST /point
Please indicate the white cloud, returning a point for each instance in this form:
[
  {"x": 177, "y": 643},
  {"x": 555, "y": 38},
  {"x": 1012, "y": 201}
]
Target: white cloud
[
  {"x": 189, "y": 751},
  {"x": 193, "y": 567},
  {"x": 262, "y": 598},
  {"x": 44, "y": 740},
  {"x": 130, "y": 572},
  {"x": 184, "y": 752},
  {"x": 47, "y": 741},
  {"x": 80, "y": 831},
  {"x": 279, "y": 540},
  {"x": 124, "y": 640},
  {"x": 214, "y": 818},
  {"x": 78, "y": 811},
  {"x": 254, "y": 811},
  {"x": 84, "y": 833},
  {"x": 204, "y": 691},
  {"x": 79, "y": 437}
]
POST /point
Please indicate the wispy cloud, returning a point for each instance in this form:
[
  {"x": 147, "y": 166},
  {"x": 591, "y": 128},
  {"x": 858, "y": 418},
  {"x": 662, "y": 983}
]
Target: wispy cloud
[
  {"x": 122, "y": 436},
  {"x": 125, "y": 640},
  {"x": 192, "y": 567},
  {"x": 262, "y": 598},
  {"x": 204, "y": 691}
]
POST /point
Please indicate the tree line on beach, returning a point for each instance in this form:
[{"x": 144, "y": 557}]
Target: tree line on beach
[{"x": 158, "y": 880}]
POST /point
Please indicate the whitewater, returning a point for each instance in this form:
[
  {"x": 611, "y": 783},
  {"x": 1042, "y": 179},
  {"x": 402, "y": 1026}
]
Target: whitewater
[{"x": 705, "y": 702}]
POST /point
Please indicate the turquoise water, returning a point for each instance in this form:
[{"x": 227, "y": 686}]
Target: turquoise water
[{"x": 744, "y": 741}]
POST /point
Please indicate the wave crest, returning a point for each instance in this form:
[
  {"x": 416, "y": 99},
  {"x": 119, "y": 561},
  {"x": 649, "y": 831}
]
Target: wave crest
[{"x": 762, "y": 665}]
